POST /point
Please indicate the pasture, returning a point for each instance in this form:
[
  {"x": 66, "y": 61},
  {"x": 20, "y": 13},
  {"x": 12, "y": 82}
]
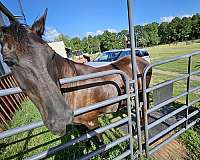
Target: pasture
[{"x": 29, "y": 143}]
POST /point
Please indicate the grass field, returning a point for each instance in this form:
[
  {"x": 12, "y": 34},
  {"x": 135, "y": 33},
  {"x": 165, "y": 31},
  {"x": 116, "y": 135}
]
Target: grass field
[
  {"x": 37, "y": 140},
  {"x": 190, "y": 138},
  {"x": 162, "y": 52}
]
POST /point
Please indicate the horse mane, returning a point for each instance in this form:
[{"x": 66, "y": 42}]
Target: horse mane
[
  {"x": 17, "y": 34},
  {"x": 17, "y": 31}
]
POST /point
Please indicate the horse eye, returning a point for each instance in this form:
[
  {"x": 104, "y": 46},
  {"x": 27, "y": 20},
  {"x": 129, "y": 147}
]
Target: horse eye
[{"x": 10, "y": 63}]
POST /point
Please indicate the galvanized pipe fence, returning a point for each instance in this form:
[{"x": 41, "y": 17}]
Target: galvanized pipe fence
[
  {"x": 126, "y": 120},
  {"x": 129, "y": 94},
  {"x": 188, "y": 119}
]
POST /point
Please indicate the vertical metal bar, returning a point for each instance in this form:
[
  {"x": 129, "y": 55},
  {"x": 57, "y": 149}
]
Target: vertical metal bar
[
  {"x": 130, "y": 125},
  {"x": 145, "y": 109},
  {"x": 188, "y": 89},
  {"x": 134, "y": 71}
]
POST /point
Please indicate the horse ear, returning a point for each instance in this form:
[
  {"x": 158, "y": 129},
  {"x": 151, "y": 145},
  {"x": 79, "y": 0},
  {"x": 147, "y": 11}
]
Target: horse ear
[{"x": 39, "y": 25}]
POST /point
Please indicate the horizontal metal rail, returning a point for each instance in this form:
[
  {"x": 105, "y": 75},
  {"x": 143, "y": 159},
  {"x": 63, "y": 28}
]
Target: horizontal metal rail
[
  {"x": 173, "y": 137},
  {"x": 77, "y": 112},
  {"x": 13, "y": 131},
  {"x": 194, "y": 89},
  {"x": 9, "y": 91},
  {"x": 166, "y": 117},
  {"x": 162, "y": 133},
  {"x": 168, "y": 61},
  {"x": 16, "y": 90},
  {"x": 106, "y": 147},
  {"x": 28, "y": 127},
  {"x": 171, "y": 81},
  {"x": 92, "y": 75},
  {"x": 167, "y": 83},
  {"x": 195, "y": 72},
  {"x": 154, "y": 108},
  {"x": 123, "y": 155},
  {"x": 76, "y": 140},
  {"x": 100, "y": 104},
  {"x": 172, "y": 59}
]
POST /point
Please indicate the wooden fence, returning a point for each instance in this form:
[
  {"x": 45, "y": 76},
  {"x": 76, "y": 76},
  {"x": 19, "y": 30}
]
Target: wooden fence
[{"x": 9, "y": 104}]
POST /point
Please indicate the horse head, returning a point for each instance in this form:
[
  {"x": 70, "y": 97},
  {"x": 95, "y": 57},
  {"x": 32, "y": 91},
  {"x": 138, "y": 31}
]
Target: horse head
[{"x": 29, "y": 57}]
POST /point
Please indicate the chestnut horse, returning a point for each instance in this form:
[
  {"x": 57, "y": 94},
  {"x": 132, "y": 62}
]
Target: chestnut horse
[{"x": 37, "y": 69}]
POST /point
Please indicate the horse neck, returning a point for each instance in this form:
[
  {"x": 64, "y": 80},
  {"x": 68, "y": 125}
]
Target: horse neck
[
  {"x": 77, "y": 69},
  {"x": 63, "y": 67}
]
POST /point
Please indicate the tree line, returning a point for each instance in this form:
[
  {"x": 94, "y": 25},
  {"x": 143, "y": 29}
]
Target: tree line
[{"x": 178, "y": 30}]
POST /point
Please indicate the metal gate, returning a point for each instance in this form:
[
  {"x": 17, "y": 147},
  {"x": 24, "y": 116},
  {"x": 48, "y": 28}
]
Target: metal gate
[
  {"x": 131, "y": 96},
  {"x": 188, "y": 115},
  {"x": 128, "y": 119}
]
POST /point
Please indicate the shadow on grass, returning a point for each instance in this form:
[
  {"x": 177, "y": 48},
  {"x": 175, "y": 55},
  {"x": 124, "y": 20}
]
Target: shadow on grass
[{"x": 25, "y": 147}]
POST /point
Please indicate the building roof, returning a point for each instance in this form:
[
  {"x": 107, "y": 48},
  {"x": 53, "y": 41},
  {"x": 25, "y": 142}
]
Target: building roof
[{"x": 58, "y": 47}]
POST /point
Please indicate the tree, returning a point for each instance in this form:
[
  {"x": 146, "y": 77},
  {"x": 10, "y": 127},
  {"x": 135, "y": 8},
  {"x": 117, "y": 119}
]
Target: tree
[
  {"x": 140, "y": 37},
  {"x": 65, "y": 39},
  {"x": 175, "y": 29},
  {"x": 178, "y": 29},
  {"x": 76, "y": 44},
  {"x": 186, "y": 28},
  {"x": 121, "y": 38},
  {"x": 108, "y": 41},
  {"x": 196, "y": 26},
  {"x": 151, "y": 34},
  {"x": 164, "y": 33}
]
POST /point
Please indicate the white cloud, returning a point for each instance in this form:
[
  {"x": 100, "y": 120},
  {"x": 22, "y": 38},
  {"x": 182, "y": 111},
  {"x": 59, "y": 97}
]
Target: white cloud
[
  {"x": 169, "y": 18},
  {"x": 99, "y": 32},
  {"x": 186, "y": 15},
  {"x": 89, "y": 33},
  {"x": 112, "y": 30},
  {"x": 51, "y": 33},
  {"x": 145, "y": 24}
]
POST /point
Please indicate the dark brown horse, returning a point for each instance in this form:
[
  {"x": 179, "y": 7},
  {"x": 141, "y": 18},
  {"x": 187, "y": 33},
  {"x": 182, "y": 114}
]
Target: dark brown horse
[{"x": 38, "y": 69}]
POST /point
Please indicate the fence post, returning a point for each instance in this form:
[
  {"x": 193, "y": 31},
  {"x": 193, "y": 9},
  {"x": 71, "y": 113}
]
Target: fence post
[{"x": 134, "y": 72}]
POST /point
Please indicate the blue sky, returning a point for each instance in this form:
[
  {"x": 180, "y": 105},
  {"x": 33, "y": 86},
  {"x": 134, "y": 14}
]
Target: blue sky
[{"x": 82, "y": 17}]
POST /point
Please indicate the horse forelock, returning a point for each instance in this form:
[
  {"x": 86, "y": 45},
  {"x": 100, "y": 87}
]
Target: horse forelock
[
  {"x": 21, "y": 37},
  {"x": 16, "y": 35}
]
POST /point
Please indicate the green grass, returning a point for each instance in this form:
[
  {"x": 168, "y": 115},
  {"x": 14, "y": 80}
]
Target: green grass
[
  {"x": 165, "y": 51},
  {"x": 26, "y": 144},
  {"x": 191, "y": 139},
  {"x": 162, "y": 52}
]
